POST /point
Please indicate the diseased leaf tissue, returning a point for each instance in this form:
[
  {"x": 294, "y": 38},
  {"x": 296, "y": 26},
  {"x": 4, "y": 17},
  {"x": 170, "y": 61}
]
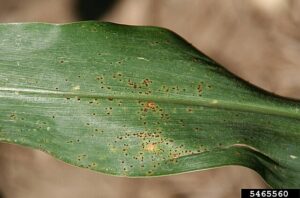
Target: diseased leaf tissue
[{"x": 138, "y": 101}]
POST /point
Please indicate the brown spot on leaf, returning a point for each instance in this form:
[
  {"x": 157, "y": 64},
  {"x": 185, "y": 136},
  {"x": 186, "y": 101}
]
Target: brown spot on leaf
[
  {"x": 200, "y": 88},
  {"x": 189, "y": 110},
  {"x": 150, "y": 147},
  {"x": 149, "y": 105},
  {"x": 176, "y": 155},
  {"x": 147, "y": 82}
]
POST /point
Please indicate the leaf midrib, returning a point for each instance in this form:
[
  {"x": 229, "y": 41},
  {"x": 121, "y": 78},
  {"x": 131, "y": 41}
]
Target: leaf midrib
[{"x": 212, "y": 103}]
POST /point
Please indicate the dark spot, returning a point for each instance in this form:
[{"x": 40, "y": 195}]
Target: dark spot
[
  {"x": 200, "y": 88},
  {"x": 147, "y": 82},
  {"x": 61, "y": 61},
  {"x": 13, "y": 116}
]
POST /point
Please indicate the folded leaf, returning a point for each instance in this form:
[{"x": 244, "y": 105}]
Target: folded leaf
[{"x": 138, "y": 101}]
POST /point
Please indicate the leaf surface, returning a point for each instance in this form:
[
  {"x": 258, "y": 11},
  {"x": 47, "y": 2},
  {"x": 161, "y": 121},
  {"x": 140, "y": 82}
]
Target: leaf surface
[{"x": 138, "y": 101}]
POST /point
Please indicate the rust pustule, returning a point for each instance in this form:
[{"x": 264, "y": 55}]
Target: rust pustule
[{"x": 149, "y": 105}]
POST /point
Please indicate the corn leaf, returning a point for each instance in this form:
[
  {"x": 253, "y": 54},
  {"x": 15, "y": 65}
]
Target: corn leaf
[{"x": 138, "y": 101}]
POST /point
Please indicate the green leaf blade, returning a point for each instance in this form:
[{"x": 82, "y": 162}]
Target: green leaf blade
[{"x": 138, "y": 101}]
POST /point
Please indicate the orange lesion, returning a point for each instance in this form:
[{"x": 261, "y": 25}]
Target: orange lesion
[
  {"x": 151, "y": 147},
  {"x": 150, "y": 105}
]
